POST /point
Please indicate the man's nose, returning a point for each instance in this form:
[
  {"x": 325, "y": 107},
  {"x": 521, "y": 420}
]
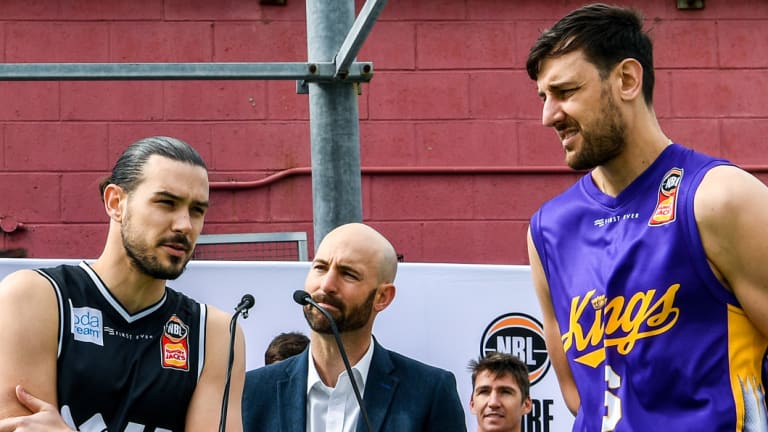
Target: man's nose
[
  {"x": 551, "y": 112},
  {"x": 182, "y": 221}
]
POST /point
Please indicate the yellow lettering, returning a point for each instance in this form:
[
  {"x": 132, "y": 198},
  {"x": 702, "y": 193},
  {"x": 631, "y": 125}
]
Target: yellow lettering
[
  {"x": 575, "y": 332},
  {"x": 623, "y": 320}
]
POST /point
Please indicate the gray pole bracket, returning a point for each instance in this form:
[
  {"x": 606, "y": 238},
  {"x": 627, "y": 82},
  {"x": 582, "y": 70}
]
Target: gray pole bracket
[
  {"x": 363, "y": 24},
  {"x": 360, "y": 72}
]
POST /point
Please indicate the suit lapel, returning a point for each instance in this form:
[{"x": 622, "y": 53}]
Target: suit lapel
[
  {"x": 292, "y": 395},
  {"x": 379, "y": 389}
]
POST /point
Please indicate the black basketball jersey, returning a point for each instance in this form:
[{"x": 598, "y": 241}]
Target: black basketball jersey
[{"x": 119, "y": 371}]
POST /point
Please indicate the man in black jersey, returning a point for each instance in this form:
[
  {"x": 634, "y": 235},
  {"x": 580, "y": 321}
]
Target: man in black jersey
[{"x": 107, "y": 345}]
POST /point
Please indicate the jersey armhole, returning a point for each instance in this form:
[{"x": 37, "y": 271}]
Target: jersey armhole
[
  {"x": 538, "y": 241},
  {"x": 695, "y": 244},
  {"x": 60, "y": 304},
  {"x": 201, "y": 345}
]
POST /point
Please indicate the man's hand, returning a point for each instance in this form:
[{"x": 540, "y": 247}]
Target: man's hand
[{"x": 44, "y": 418}]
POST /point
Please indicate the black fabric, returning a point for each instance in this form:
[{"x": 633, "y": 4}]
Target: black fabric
[{"x": 145, "y": 372}]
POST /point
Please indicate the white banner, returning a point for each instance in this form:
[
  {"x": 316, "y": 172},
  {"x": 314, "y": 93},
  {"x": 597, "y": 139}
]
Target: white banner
[{"x": 443, "y": 314}]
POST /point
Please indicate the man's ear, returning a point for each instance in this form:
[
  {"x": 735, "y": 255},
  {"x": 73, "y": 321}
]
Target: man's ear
[
  {"x": 114, "y": 201},
  {"x": 630, "y": 78},
  {"x": 527, "y": 405},
  {"x": 384, "y": 296}
]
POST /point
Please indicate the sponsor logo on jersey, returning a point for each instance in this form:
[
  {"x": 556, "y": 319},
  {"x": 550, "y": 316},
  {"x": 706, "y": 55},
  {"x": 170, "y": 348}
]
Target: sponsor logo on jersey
[
  {"x": 96, "y": 423},
  {"x": 87, "y": 324},
  {"x": 602, "y": 222},
  {"x": 522, "y": 336},
  {"x": 666, "y": 206},
  {"x": 618, "y": 323},
  {"x": 175, "y": 345}
]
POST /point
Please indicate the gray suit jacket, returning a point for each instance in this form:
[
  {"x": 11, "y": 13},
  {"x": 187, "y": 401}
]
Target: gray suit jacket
[{"x": 401, "y": 395}]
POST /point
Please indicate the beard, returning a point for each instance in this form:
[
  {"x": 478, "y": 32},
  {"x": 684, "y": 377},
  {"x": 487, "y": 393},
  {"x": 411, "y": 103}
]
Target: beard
[
  {"x": 604, "y": 141},
  {"x": 141, "y": 255},
  {"x": 347, "y": 318}
]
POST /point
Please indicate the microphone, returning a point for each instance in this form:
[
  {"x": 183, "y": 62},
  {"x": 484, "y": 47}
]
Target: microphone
[
  {"x": 245, "y": 304},
  {"x": 303, "y": 298}
]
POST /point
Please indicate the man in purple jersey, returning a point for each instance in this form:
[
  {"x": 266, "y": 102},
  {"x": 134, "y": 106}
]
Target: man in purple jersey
[{"x": 651, "y": 270}]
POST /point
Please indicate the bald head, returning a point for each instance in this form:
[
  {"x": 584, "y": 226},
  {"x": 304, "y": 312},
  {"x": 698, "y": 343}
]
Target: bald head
[{"x": 362, "y": 240}]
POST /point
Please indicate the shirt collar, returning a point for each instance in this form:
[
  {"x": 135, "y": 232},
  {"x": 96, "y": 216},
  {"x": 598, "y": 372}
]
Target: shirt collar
[{"x": 360, "y": 369}]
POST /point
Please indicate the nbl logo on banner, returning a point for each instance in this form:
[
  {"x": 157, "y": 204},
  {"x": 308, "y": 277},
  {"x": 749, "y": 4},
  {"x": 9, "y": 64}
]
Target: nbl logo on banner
[{"x": 522, "y": 336}]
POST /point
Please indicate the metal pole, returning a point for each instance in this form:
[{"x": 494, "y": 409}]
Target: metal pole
[
  {"x": 334, "y": 123},
  {"x": 181, "y": 71}
]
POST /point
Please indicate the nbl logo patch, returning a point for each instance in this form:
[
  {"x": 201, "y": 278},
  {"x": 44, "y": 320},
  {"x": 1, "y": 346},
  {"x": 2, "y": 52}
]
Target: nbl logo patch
[
  {"x": 522, "y": 336},
  {"x": 666, "y": 206},
  {"x": 175, "y": 345}
]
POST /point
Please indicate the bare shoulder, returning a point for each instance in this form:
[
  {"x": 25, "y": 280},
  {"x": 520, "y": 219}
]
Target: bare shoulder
[
  {"x": 204, "y": 408},
  {"x": 29, "y": 337},
  {"x": 731, "y": 210},
  {"x": 537, "y": 272},
  {"x": 22, "y": 287},
  {"x": 726, "y": 189},
  {"x": 730, "y": 203},
  {"x": 217, "y": 335},
  {"x": 218, "y": 321}
]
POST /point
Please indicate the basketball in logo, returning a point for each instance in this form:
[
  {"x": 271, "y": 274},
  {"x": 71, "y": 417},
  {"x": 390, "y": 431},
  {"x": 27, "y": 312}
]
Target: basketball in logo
[{"x": 522, "y": 336}]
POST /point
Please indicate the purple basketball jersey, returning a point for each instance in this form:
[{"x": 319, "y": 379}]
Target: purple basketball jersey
[{"x": 654, "y": 340}]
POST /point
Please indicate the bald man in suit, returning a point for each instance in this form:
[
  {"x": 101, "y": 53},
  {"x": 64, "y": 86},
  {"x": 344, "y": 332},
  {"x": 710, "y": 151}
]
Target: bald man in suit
[{"x": 352, "y": 276}]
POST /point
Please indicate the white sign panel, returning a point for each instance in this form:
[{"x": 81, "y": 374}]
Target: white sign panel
[{"x": 443, "y": 314}]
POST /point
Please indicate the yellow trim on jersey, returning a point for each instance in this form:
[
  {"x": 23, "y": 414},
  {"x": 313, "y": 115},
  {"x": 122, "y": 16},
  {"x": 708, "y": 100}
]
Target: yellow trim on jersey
[{"x": 746, "y": 346}]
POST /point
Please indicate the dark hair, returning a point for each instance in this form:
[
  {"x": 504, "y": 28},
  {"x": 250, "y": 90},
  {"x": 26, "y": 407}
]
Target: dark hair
[
  {"x": 127, "y": 172},
  {"x": 606, "y": 34},
  {"x": 285, "y": 345},
  {"x": 501, "y": 365}
]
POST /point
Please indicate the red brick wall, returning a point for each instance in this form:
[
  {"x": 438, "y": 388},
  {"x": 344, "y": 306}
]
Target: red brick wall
[{"x": 449, "y": 90}]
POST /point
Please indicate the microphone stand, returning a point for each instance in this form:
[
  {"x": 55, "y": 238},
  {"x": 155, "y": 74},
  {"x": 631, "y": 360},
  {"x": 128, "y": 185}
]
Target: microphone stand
[
  {"x": 245, "y": 303},
  {"x": 303, "y": 298}
]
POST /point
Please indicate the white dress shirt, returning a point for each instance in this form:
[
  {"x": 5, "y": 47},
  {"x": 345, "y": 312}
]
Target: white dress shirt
[{"x": 335, "y": 409}]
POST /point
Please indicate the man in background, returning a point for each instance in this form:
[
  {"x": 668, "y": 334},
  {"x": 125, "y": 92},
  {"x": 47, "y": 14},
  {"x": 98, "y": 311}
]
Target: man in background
[
  {"x": 500, "y": 393},
  {"x": 285, "y": 345}
]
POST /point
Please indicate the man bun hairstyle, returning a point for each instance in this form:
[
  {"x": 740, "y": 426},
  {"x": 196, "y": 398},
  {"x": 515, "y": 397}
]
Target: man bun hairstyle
[{"x": 127, "y": 172}]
